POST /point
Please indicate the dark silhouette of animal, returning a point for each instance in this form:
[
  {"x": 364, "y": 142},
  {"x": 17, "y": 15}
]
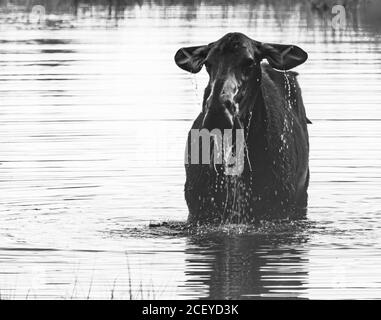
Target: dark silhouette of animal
[{"x": 245, "y": 92}]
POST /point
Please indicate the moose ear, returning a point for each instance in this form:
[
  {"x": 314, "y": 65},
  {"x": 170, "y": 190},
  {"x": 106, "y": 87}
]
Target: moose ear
[
  {"x": 192, "y": 59},
  {"x": 282, "y": 57}
]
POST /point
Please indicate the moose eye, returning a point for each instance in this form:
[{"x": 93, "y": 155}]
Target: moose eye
[
  {"x": 248, "y": 63},
  {"x": 207, "y": 65}
]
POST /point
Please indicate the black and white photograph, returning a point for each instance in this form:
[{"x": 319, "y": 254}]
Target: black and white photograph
[{"x": 198, "y": 150}]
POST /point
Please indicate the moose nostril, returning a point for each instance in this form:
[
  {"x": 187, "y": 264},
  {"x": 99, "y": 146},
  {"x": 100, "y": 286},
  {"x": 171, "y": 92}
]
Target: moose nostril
[{"x": 229, "y": 105}]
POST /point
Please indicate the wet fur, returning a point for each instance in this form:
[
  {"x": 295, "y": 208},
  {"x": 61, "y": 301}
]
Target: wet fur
[{"x": 277, "y": 185}]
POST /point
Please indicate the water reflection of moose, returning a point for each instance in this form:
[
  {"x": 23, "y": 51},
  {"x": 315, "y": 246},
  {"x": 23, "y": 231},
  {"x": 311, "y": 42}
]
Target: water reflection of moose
[
  {"x": 244, "y": 93},
  {"x": 246, "y": 267}
]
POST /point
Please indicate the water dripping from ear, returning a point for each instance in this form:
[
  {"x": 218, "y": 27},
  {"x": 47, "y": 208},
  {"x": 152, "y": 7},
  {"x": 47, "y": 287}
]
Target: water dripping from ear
[
  {"x": 195, "y": 86},
  {"x": 288, "y": 89},
  {"x": 287, "y": 126}
]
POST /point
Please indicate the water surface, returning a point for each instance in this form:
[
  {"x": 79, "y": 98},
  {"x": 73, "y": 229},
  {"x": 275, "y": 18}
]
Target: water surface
[{"x": 93, "y": 122}]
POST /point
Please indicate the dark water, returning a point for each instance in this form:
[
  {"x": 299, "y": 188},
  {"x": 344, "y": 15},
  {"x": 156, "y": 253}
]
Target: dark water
[{"x": 93, "y": 121}]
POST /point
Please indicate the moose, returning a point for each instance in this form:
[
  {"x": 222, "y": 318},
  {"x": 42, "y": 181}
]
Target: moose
[{"x": 264, "y": 101}]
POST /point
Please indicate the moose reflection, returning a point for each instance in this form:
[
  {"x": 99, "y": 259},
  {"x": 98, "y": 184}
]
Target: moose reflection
[{"x": 246, "y": 267}]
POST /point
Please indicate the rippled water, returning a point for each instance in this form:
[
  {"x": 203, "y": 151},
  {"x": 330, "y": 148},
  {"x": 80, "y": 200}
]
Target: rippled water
[{"x": 93, "y": 122}]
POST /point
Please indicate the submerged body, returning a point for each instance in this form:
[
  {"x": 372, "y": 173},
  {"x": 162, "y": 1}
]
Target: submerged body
[{"x": 275, "y": 176}]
